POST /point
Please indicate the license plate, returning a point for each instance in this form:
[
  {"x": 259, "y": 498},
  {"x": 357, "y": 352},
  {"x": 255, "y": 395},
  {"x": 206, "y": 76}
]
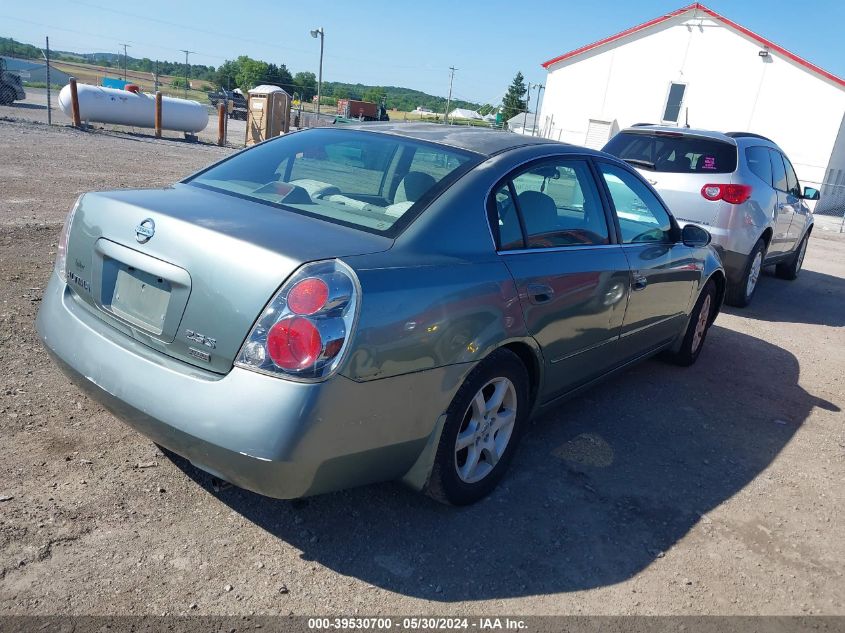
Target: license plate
[{"x": 140, "y": 298}]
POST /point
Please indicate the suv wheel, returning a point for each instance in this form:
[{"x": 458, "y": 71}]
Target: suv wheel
[
  {"x": 790, "y": 268},
  {"x": 482, "y": 428},
  {"x": 741, "y": 293}
]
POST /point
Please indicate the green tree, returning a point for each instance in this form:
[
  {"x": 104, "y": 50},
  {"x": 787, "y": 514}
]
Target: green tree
[
  {"x": 513, "y": 103},
  {"x": 374, "y": 94},
  {"x": 177, "y": 82},
  {"x": 225, "y": 75},
  {"x": 305, "y": 84},
  {"x": 251, "y": 72},
  {"x": 279, "y": 76}
]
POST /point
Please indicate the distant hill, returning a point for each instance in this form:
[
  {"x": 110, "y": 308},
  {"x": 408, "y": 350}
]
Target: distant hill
[{"x": 404, "y": 99}]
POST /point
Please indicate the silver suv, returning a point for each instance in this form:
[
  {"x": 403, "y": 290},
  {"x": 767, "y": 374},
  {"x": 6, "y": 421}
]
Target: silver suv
[{"x": 739, "y": 186}]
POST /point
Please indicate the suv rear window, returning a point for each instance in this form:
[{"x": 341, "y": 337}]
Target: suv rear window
[{"x": 671, "y": 152}]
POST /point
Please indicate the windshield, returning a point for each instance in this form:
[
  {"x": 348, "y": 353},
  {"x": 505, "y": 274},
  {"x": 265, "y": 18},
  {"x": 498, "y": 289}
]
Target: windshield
[
  {"x": 672, "y": 152},
  {"x": 372, "y": 181}
]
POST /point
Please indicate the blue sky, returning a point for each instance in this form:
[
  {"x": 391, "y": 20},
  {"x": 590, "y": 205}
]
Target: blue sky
[{"x": 410, "y": 44}]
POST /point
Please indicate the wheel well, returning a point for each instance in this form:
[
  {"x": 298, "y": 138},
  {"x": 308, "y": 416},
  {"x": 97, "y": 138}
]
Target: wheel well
[
  {"x": 767, "y": 237},
  {"x": 531, "y": 362},
  {"x": 721, "y": 287}
]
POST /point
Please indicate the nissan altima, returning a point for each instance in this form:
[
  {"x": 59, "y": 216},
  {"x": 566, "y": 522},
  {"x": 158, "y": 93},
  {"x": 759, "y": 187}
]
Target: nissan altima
[{"x": 336, "y": 307}]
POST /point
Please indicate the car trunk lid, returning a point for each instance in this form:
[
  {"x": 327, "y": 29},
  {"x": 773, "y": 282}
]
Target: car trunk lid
[{"x": 187, "y": 271}]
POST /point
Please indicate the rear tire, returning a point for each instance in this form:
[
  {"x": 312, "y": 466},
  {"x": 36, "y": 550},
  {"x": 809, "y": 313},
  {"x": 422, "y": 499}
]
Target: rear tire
[
  {"x": 482, "y": 429},
  {"x": 790, "y": 269},
  {"x": 741, "y": 293},
  {"x": 700, "y": 321}
]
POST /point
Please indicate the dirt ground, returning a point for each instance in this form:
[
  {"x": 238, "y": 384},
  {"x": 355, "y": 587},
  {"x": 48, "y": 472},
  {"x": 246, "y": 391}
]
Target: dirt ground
[{"x": 716, "y": 489}]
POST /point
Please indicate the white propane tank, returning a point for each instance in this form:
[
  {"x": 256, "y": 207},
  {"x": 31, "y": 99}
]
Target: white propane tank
[{"x": 121, "y": 107}]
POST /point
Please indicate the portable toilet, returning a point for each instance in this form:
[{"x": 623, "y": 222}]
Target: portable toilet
[{"x": 268, "y": 113}]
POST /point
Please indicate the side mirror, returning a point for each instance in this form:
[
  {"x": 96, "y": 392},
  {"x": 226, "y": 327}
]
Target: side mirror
[
  {"x": 694, "y": 236},
  {"x": 811, "y": 194}
]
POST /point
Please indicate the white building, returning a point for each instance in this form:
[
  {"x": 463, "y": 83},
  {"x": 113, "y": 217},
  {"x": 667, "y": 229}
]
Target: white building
[{"x": 695, "y": 65}]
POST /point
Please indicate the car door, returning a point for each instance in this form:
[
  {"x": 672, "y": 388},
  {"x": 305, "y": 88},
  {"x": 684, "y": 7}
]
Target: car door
[
  {"x": 552, "y": 231},
  {"x": 784, "y": 207},
  {"x": 663, "y": 270},
  {"x": 800, "y": 211}
]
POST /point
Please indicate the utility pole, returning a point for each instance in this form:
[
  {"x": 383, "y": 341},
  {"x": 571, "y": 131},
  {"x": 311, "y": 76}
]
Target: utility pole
[
  {"x": 322, "y": 35},
  {"x": 47, "y": 61},
  {"x": 527, "y": 102},
  {"x": 537, "y": 108},
  {"x": 124, "y": 59},
  {"x": 187, "y": 52},
  {"x": 449, "y": 99}
]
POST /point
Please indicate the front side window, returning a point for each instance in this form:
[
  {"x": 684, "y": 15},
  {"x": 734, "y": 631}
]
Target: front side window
[
  {"x": 674, "y": 99},
  {"x": 792, "y": 185},
  {"x": 759, "y": 163},
  {"x": 361, "y": 179},
  {"x": 778, "y": 170},
  {"x": 558, "y": 204},
  {"x": 642, "y": 217}
]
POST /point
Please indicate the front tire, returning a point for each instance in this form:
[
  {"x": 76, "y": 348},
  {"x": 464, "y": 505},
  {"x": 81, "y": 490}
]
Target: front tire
[
  {"x": 482, "y": 429},
  {"x": 790, "y": 269},
  {"x": 741, "y": 293},
  {"x": 700, "y": 321}
]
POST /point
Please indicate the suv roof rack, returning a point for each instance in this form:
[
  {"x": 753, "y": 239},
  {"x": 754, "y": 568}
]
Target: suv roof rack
[{"x": 748, "y": 135}]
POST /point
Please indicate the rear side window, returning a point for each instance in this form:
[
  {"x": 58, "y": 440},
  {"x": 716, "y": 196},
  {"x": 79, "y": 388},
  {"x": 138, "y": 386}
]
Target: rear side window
[
  {"x": 759, "y": 163},
  {"x": 778, "y": 171},
  {"x": 671, "y": 152}
]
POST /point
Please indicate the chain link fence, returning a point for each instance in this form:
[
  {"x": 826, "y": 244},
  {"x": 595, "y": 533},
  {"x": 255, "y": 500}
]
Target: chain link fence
[{"x": 831, "y": 206}]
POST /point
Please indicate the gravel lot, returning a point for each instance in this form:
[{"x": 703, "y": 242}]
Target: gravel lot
[{"x": 716, "y": 489}]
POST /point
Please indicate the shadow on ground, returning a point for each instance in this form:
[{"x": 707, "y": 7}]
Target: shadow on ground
[
  {"x": 599, "y": 488},
  {"x": 814, "y": 298}
]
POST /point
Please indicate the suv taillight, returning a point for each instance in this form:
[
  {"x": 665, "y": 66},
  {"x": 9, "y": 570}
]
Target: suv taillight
[
  {"x": 304, "y": 331},
  {"x": 64, "y": 236},
  {"x": 733, "y": 194}
]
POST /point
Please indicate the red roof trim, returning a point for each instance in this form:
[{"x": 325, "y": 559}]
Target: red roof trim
[{"x": 697, "y": 5}]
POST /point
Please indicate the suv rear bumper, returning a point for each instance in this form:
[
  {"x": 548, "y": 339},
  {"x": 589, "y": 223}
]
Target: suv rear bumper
[
  {"x": 276, "y": 437},
  {"x": 734, "y": 264}
]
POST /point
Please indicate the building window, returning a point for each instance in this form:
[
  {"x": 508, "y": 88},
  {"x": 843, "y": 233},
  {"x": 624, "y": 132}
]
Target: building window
[{"x": 673, "y": 102}]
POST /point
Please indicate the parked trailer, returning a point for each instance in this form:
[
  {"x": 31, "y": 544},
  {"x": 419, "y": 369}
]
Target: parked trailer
[
  {"x": 366, "y": 110},
  {"x": 122, "y": 107}
]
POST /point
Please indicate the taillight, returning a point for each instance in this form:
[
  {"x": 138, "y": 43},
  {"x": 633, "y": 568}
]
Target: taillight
[
  {"x": 305, "y": 329},
  {"x": 733, "y": 194},
  {"x": 64, "y": 236}
]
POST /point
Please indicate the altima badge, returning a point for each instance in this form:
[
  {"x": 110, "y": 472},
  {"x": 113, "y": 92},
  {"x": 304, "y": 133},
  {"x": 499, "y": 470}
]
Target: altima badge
[{"x": 145, "y": 230}]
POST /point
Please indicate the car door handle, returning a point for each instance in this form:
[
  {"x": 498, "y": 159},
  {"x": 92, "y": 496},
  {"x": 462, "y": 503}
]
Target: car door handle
[
  {"x": 540, "y": 293},
  {"x": 640, "y": 281}
]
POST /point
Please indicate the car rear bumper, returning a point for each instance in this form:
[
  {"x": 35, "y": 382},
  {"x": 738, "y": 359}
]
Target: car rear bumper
[{"x": 276, "y": 437}]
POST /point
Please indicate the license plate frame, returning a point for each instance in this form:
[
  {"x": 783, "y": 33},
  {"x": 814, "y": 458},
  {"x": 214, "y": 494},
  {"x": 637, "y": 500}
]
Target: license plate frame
[{"x": 140, "y": 298}]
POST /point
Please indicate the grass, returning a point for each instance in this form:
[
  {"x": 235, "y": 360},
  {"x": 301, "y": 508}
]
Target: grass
[{"x": 93, "y": 75}]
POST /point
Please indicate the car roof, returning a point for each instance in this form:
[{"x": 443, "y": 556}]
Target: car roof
[{"x": 485, "y": 141}]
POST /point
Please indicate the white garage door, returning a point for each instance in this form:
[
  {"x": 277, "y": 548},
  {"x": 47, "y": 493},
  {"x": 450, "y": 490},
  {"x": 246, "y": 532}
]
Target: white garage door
[{"x": 598, "y": 133}]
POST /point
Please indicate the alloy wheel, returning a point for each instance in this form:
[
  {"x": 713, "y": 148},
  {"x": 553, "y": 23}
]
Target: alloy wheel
[
  {"x": 754, "y": 274},
  {"x": 486, "y": 430},
  {"x": 701, "y": 324}
]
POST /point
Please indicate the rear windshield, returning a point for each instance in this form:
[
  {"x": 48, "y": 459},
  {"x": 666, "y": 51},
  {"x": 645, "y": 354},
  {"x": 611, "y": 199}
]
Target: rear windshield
[
  {"x": 372, "y": 181},
  {"x": 671, "y": 153}
]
